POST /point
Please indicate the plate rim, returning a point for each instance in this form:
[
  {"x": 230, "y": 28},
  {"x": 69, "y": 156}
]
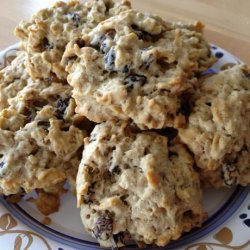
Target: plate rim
[
  {"x": 236, "y": 199},
  {"x": 74, "y": 242}
]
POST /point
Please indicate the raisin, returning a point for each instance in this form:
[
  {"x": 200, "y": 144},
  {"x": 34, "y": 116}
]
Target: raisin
[
  {"x": 69, "y": 59},
  {"x": 89, "y": 197},
  {"x": 103, "y": 47},
  {"x": 76, "y": 19},
  {"x": 125, "y": 69},
  {"x": 209, "y": 53},
  {"x": 95, "y": 46},
  {"x": 147, "y": 63},
  {"x": 65, "y": 128},
  {"x": 133, "y": 128},
  {"x": 93, "y": 171},
  {"x": 1, "y": 164},
  {"x": 108, "y": 6},
  {"x": 230, "y": 173},
  {"x": 185, "y": 109},
  {"x": 188, "y": 214},
  {"x": 107, "y": 175},
  {"x": 170, "y": 133},
  {"x": 87, "y": 200},
  {"x": 80, "y": 43},
  {"x": 45, "y": 44},
  {"x": 61, "y": 106},
  {"x": 109, "y": 60},
  {"x": 123, "y": 198},
  {"x": 162, "y": 64},
  {"x": 53, "y": 78},
  {"x": 186, "y": 105},
  {"x": 83, "y": 123},
  {"x": 102, "y": 44},
  {"x": 29, "y": 113},
  {"x": 171, "y": 154},
  {"x": 146, "y": 151},
  {"x": 115, "y": 170},
  {"x": 91, "y": 188},
  {"x": 44, "y": 124},
  {"x": 31, "y": 108},
  {"x": 105, "y": 44},
  {"x": 121, "y": 238},
  {"x": 111, "y": 33},
  {"x": 39, "y": 103},
  {"x": 133, "y": 79},
  {"x": 103, "y": 227},
  {"x": 142, "y": 34}
]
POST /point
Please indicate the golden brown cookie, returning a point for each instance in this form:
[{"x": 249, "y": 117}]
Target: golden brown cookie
[
  {"x": 133, "y": 185},
  {"x": 136, "y": 66},
  {"x": 218, "y": 128},
  {"x": 41, "y": 137},
  {"x": 45, "y": 36}
]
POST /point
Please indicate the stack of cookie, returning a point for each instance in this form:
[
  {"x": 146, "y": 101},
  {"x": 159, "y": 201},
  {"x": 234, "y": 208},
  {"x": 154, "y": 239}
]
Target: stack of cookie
[
  {"x": 137, "y": 83},
  {"x": 41, "y": 135}
]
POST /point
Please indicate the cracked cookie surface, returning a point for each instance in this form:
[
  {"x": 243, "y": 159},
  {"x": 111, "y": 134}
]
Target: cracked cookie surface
[
  {"x": 45, "y": 36},
  {"x": 136, "y": 66},
  {"x": 133, "y": 184},
  {"x": 218, "y": 128},
  {"x": 40, "y": 142}
]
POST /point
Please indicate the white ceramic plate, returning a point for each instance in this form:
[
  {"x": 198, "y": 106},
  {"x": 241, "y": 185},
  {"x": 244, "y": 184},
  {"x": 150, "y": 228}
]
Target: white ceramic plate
[{"x": 228, "y": 225}]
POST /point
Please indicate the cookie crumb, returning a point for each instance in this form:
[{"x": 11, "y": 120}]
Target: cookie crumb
[
  {"x": 46, "y": 221},
  {"x": 31, "y": 199},
  {"x": 47, "y": 203}
]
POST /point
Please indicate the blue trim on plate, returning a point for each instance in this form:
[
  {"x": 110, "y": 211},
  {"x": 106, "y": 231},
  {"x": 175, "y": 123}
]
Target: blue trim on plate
[{"x": 219, "y": 217}]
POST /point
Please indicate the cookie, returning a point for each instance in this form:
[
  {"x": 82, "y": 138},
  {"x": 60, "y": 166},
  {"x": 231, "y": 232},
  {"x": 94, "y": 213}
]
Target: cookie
[
  {"x": 218, "y": 128},
  {"x": 45, "y": 36},
  {"x": 12, "y": 79},
  {"x": 133, "y": 185},
  {"x": 38, "y": 155},
  {"x": 41, "y": 137},
  {"x": 27, "y": 96},
  {"x": 136, "y": 66}
]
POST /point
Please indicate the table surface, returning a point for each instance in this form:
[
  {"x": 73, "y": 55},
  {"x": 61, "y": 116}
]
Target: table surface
[{"x": 227, "y": 21}]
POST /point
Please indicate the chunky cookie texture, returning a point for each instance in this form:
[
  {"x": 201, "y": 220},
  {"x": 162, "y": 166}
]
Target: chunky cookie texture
[
  {"x": 40, "y": 155},
  {"x": 12, "y": 79},
  {"x": 45, "y": 36},
  {"x": 132, "y": 185},
  {"x": 218, "y": 128},
  {"x": 40, "y": 142},
  {"x": 136, "y": 66},
  {"x": 27, "y": 96}
]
